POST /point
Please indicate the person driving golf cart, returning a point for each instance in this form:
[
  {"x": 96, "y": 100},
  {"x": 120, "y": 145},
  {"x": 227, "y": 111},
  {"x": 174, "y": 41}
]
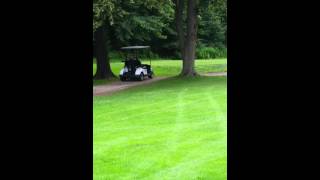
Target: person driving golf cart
[{"x": 132, "y": 61}]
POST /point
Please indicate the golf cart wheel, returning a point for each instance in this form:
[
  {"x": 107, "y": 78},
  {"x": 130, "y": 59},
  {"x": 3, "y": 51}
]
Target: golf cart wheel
[
  {"x": 141, "y": 77},
  {"x": 150, "y": 76},
  {"x": 122, "y": 78}
]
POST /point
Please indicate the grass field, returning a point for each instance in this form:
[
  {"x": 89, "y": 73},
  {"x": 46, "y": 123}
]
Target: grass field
[
  {"x": 174, "y": 129},
  {"x": 173, "y": 67}
]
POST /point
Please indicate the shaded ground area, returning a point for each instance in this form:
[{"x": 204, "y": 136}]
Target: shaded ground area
[{"x": 110, "y": 88}]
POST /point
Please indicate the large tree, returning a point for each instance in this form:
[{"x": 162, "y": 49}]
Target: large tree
[
  {"x": 102, "y": 17},
  {"x": 187, "y": 43},
  {"x": 102, "y": 58},
  {"x": 179, "y": 7}
]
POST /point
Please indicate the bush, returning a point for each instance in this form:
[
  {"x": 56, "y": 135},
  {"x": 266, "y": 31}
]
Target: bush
[
  {"x": 210, "y": 53},
  {"x": 148, "y": 54},
  {"x": 115, "y": 55}
]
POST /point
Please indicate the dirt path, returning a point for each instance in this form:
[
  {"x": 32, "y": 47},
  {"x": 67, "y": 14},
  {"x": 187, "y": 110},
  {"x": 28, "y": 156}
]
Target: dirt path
[
  {"x": 215, "y": 74},
  {"x": 120, "y": 85}
]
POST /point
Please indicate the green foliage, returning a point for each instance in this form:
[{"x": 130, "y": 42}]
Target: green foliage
[
  {"x": 138, "y": 28},
  {"x": 212, "y": 24},
  {"x": 149, "y": 55},
  {"x": 133, "y": 21},
  {"x": 151, "y": 22},
  {"x": 211, "y": 53},
  {"x": 102, "y": 12},
  {"x": 206, "y": 52},
  {"x": 115, "y": 55},
  {"x": 211, "y": 32}
]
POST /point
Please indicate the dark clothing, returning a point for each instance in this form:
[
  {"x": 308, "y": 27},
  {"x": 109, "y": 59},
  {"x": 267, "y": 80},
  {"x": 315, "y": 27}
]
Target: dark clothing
[{"x": 132, "y": 64}]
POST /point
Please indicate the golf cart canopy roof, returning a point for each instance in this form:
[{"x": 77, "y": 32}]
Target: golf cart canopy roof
[{"x": 135, "y": 47}]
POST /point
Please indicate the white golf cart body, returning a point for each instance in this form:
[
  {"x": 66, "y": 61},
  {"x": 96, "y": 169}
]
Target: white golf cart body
[{"x": 137, "y": 72}]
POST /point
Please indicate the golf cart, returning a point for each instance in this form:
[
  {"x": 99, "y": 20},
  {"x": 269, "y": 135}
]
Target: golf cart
[{"x": 133, "y": 69}]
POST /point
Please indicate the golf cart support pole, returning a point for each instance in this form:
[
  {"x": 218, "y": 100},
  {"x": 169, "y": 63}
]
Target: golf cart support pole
[{"x": 149, "y": 57}]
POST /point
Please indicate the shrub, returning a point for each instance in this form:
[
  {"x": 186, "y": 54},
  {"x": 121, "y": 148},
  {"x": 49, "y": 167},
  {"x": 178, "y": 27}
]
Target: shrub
[{"x": 210, "y": 53}]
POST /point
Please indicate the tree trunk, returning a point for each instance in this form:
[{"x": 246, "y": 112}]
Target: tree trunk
[
  {"x": 179, "y": 6},
  {"x": 103, "y": 63},
  {"x": 190, "y": 42}
]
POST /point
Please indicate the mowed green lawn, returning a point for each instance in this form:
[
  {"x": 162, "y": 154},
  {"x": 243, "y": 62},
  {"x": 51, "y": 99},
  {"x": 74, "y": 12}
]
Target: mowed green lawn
[
  {"x": 173, "y": 67},
  {"x": 174, "y": 129}
]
